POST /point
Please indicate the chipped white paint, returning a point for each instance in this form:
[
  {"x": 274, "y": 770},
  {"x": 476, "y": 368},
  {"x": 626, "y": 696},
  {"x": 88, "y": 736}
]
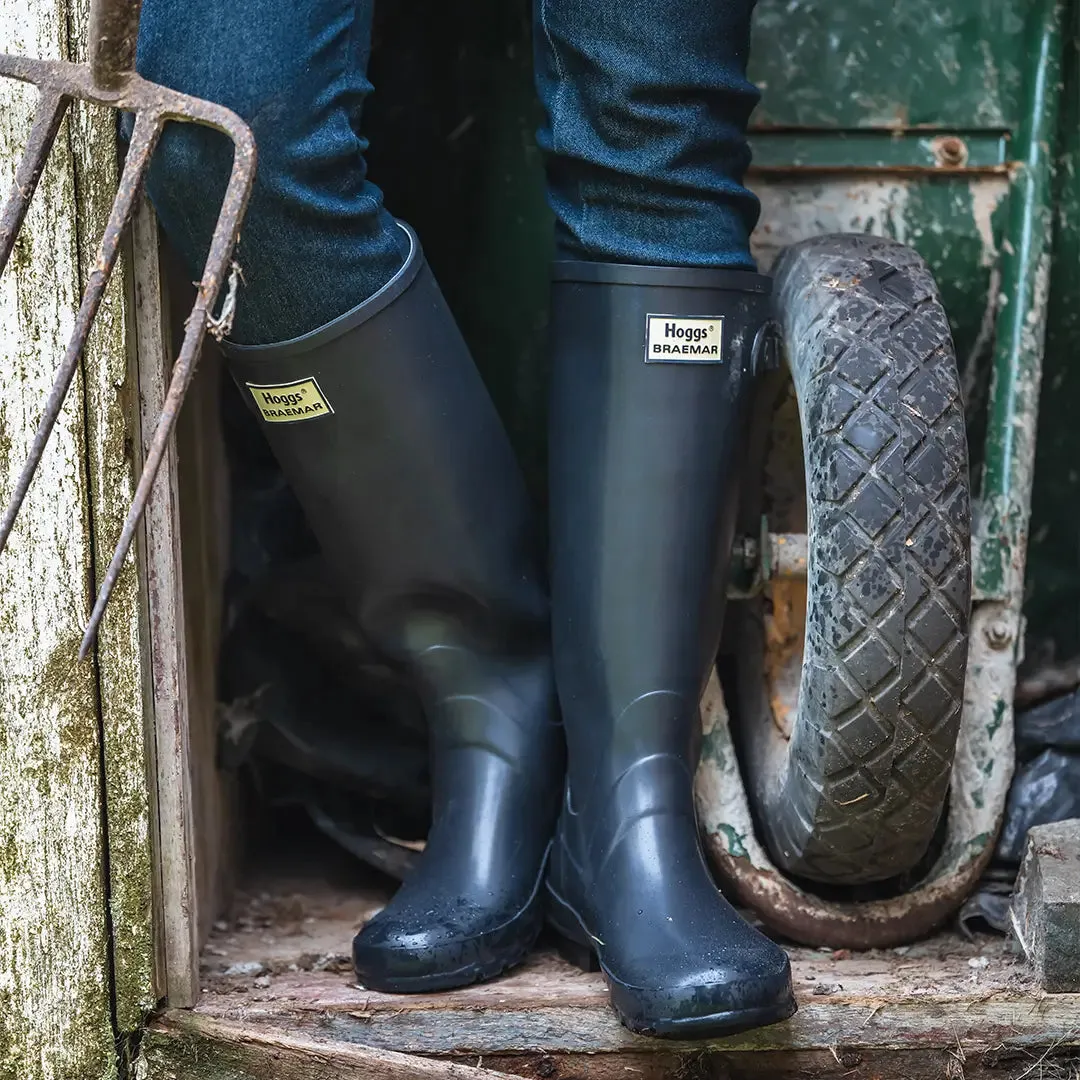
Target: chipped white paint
[
  {"x": 987, "y": 194},
  {"x": 54, "y": 1008},
  {"x": 795, "y": 210}
]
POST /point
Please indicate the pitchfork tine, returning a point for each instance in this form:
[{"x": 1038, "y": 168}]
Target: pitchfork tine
[
  {"x": 50, "y": 113},
  {"x": 110, "y": 79},
  {"x": 145, "y": 135},
  {"x": 195, "y": 331}
]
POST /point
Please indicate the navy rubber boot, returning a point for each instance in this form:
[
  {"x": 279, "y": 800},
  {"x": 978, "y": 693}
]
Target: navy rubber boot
[
  {"x": 653, "y": 368},
  {"x": 388, "y": 436}
]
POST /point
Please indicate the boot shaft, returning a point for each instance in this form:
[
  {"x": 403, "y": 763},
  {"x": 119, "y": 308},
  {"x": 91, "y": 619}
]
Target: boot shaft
[
  {"x": 393, "y": 446},
  {"x": 653, "y": 370}
]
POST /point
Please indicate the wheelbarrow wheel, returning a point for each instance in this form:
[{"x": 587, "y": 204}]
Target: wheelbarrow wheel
[{"x": 852, "y": 789}]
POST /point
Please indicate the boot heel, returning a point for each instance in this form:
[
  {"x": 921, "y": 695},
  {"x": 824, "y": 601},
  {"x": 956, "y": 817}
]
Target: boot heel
[
  {"x": 581, "y": 956},
  {"x": 571, "y": 941}
]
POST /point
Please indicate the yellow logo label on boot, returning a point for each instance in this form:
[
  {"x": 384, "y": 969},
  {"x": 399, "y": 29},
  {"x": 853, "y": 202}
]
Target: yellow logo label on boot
[{"x": 286, "y": 403}]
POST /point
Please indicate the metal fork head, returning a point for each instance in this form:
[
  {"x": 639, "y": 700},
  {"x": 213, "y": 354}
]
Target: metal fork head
[{"x": 110, "y": 79}]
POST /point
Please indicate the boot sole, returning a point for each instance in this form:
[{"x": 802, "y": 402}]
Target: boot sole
[
  {"x": 574, "y": 945},
  {"x": 445, "y": 980}
]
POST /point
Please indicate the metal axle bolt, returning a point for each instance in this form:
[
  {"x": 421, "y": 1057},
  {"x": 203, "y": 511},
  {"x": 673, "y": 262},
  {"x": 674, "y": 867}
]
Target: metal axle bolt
[{"x": 999, "y": 635}]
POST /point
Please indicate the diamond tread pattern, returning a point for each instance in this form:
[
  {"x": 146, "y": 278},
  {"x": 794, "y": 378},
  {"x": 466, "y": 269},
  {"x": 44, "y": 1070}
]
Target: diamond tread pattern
[{"x": 888, "y": 499}]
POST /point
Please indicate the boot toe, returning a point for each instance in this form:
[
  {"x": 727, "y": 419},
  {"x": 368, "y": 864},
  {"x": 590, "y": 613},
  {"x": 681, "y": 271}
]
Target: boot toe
[
  {"x": 445, "y": 946},
  {"x": 702, "y": 997}
]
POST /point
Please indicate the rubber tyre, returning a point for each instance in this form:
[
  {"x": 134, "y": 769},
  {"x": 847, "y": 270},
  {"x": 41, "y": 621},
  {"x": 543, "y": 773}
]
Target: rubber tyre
[{"x": 856, "y": 794}]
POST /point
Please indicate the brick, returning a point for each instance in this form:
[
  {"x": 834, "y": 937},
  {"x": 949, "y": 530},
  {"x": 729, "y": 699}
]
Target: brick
[{"x": 1045, "y": 912}]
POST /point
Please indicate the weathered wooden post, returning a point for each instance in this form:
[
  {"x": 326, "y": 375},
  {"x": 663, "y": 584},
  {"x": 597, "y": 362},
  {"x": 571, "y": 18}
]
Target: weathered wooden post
[{"x": 76, "y": 947}]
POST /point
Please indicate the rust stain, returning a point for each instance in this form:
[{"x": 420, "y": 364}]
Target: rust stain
[
  {"x": 786, "y": 908},
  {"x": 785, "y": 629},
  {"x": 950, "y": 151}
]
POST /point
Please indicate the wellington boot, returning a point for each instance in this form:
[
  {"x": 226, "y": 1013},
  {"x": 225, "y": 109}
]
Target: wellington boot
[
  {"x": 388, "y": 436},
  {"x": 653, "y": 368}
]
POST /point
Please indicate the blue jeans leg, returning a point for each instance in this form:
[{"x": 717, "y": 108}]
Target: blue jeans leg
[
  {"x": 317, "y": 240},
  {"x": 647, "y": 103}
]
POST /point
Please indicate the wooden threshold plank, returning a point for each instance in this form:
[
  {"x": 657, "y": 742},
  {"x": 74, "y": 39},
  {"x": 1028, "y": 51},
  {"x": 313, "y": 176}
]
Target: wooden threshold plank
[
  {"x": 185, "y": 1045},
  {"x": 278, "y": 969},
  {"x": 873, "y": 1001},
  {"x": 281, "y": 963}
]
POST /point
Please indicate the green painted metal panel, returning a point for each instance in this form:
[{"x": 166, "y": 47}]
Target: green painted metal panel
[
  {"x": 865, "y": 63},
  {"x": 1052, "y": 607},
  {"x": 1020, "y": 328},
  {"x": 874, "y": 149}
]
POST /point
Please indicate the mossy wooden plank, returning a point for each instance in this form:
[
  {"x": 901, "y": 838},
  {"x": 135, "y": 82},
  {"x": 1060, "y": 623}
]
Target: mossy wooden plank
[
  {"x": 111, "y": 417},
  {"x": 54, "y": 977},
  {"x": 186, "y": 1047},
  {"x": 166, "y": 642},
  {"x": 193, "y": 1048}
]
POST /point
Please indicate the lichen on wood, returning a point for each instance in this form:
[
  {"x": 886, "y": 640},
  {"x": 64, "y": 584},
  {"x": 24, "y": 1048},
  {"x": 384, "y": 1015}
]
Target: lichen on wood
[
  {"x": 56, "y": 998},
  {"x": 110, "y": 416},
  {"x": 54, "y": 992}
]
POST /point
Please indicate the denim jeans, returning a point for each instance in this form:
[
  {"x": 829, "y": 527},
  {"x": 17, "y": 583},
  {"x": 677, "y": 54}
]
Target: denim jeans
[{"x": 647, "y": 103}]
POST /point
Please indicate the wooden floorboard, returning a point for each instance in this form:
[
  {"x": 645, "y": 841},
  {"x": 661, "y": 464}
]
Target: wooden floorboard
[{"x": 281, "y": 965}]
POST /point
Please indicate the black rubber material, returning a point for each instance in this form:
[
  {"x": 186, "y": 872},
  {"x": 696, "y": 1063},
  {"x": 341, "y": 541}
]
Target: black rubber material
[
  {"x": 861, "y": 788},
  {"x": 644, "y": 458},
  {"x": 485, "y": 953},
  {"x": 576, "y": 947},
  {"x": 412, "y": 489},
  {"x": 677, "y": 277}
]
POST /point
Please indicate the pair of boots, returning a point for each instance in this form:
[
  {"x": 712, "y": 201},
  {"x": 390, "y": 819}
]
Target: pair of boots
[{"x": 387, "y": 434}]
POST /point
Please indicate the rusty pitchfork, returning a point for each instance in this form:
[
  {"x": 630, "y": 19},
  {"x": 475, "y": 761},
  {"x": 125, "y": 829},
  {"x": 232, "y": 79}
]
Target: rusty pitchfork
[{"x": 110, "y": 79}]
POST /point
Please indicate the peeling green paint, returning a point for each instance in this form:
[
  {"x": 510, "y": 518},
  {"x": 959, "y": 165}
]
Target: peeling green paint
[
  {"x": 867, "y": 64},
  {"x": 999, "y": 718},
  {"x": 1000, "y": 543},
  {"x": 734, "y": 840},
  {"x": 1052, "y": 601}
]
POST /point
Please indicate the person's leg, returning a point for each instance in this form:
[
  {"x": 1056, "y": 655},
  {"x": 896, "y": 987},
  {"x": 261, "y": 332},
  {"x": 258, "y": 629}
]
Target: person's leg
[
  {"x": 659, "y": 325},
  {"x": 317, "y": 239},
  {"x": 367, "y": 394},
  {"x": 646, "y": 109}
]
